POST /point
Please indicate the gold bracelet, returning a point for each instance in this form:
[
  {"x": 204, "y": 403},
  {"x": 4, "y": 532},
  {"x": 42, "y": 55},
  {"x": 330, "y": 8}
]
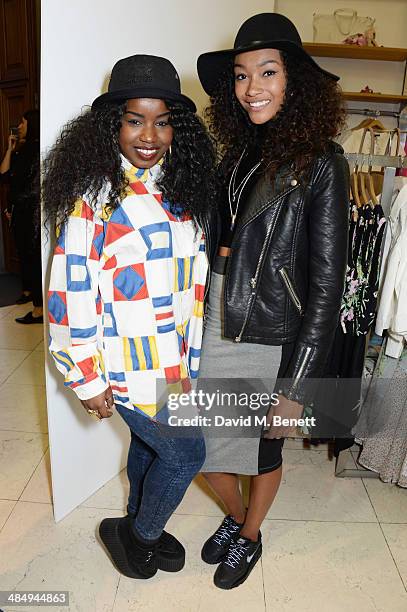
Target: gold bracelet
[{"x": 94, "y": 413}]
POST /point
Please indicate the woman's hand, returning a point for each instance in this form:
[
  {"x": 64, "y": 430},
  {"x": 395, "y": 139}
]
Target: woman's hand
[
  {"x": 286, "y": 409},
  {"x": 12, "y": 142},
  {"x": 6, "y": 161},
  {"x": 101, "y": 404}
]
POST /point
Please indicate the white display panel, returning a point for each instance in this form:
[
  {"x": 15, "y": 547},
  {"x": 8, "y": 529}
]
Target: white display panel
[{"x": 81, "y": 40}]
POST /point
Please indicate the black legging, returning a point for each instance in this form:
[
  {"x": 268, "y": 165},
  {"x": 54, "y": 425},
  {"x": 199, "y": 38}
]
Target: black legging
[{"x": 27, "y": 238}]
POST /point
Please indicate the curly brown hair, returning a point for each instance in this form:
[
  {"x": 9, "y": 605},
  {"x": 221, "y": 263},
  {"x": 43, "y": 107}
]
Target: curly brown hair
[{"x": 312, "y": 114}]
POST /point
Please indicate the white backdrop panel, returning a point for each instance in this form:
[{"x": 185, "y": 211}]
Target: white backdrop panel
[{"x": 81, "y": 40}]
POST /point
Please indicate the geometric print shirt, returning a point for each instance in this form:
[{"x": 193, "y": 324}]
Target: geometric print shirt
[{"x": 125, "y": 299}]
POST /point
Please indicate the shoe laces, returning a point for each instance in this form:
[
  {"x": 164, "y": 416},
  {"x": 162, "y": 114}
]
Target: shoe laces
[
  {"x": 236, "y": 552},
  {"x": 226, "y": 530}
]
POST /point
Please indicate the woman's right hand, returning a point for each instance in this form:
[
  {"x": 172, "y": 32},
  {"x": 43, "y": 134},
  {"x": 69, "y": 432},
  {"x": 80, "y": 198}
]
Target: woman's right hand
[
  {"x": 102, "y": 404},
  {"x": 12, "y": 142}
]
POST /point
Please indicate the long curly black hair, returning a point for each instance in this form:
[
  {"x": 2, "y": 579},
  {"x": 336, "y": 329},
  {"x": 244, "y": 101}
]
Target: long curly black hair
[
  {"x": 311, "y": 115},
  {"x": 86, "y": 157},
  {"x": 33, "y": 124}
]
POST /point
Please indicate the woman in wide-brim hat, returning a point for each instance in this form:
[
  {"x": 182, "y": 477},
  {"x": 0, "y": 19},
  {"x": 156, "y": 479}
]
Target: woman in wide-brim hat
[
  {"x": 278, "y": 279},
  {"x": 129, "y": 184}
]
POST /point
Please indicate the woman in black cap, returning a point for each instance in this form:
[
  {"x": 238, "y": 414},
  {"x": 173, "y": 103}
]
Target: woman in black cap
[
  {"x": 278, "y": 279},
  {"x": 129, "y": 184}
]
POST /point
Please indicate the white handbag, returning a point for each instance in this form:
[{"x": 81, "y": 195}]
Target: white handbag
[{"x": 338, "y": 26}]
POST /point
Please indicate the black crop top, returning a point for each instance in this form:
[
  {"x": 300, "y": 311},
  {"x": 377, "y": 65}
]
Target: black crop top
[{"x": 250, "y": 159}]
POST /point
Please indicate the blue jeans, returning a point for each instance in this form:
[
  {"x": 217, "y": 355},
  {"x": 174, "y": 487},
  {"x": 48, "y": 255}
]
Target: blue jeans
[{"x": 160, "y": 468}]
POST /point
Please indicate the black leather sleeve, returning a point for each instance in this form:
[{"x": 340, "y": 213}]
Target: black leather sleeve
[{"x": 328, "y": 244}]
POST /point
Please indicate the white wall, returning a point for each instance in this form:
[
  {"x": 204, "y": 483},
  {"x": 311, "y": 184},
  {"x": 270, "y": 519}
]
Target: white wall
[{"x": 81, "y": 40}]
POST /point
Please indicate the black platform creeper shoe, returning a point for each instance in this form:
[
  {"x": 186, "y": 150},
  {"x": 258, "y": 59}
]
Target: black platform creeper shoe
[
  {"x": 170, "y": 552},
  {"x": 241, "y": 558},
  {"x": 216, "y": 547},
  {"x": 132, "y": 558}
]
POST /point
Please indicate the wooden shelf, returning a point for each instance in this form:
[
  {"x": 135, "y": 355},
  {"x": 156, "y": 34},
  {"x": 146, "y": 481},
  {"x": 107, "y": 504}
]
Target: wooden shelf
[
  {"x": 388, "y": 54},
  {"x": 374, "y": 97}
]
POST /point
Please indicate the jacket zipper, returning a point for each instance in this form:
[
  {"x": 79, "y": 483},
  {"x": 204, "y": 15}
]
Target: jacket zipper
[
  {"x": 253, "y": 281},
  {"x": 290, "y": 288},
  {"x": 205, "y": 228},
  {"x": 301, "y": 369},
  {"x": 208, "y": 278}
]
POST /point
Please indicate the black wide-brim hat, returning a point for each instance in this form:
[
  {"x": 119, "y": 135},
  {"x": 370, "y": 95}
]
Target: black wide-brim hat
[
  {"x": 144, "y": 76},
  {"x": 264, "y": 31}
]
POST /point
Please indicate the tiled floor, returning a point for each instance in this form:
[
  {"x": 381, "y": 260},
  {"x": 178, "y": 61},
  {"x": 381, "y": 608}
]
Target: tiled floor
[{"x": 329, "y": 544}]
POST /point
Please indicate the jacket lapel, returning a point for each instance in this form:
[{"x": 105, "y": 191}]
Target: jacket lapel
[{"x": 267, "y": 194}]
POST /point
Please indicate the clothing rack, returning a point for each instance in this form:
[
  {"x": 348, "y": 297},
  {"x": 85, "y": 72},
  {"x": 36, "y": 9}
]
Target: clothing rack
[
  {"x": 369, "y": 112},
  {"x": 390, "y": 163},
  {"x": 366, "y": 159}
]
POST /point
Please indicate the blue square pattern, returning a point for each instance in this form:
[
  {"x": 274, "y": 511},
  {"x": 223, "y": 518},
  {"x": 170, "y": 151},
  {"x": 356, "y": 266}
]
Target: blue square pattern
[
  {"x": 147, "y": 231},
  {"x": 77, "y": 261},
  {"x": 111, "y": 330},
  {"x": 56, "y": 307},
  {"x": 129, "y": 282}
]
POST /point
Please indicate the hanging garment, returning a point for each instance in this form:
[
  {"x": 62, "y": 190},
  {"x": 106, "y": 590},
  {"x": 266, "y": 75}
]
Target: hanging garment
[
  {"x": 392, "y": 310},
  {"x": 337, "y": 403},
  {"x": 358, "y": 308},
  {"x": 403, "y": 138},
  {"x": 337, "y": 406},
  {"x": 382, "y": 427}
]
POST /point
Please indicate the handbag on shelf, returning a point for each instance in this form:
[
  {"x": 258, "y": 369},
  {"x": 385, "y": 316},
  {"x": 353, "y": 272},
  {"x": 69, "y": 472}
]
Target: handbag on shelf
[{"x": 340, "y": 25}]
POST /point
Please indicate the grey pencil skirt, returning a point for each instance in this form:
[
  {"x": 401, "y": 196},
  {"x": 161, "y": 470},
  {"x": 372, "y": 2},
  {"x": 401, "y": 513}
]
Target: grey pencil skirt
[{"x": 244, "y": 451}]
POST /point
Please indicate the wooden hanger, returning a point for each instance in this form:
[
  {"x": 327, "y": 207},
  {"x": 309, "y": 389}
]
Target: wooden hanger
[
  {"x": 359, "y": 190},
  {"x": 362, "y": 186},
  {"x": 369, "y": 177},
  {"x": 354, "y": 188},
  {"x": 363, "y": 192},
  {"x": 370, "y": 122}
]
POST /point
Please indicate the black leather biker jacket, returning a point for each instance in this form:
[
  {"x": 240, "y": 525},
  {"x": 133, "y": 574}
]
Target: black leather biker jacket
[{"x": 285, "y": 275}]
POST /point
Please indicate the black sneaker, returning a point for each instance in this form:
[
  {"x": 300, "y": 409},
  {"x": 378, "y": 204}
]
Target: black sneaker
[
  {"x": 241, "y": 558},
  {"x": 170, "y": 552},
  {"x": 131, "y": 558},
  {"x": 216, "y": 547}
]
